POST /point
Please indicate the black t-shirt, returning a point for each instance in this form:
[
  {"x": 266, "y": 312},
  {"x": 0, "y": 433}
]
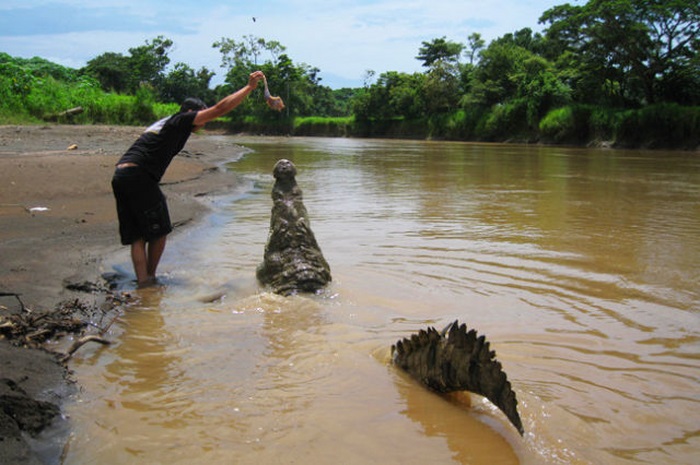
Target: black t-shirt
[{"x": 156, "y": 147}]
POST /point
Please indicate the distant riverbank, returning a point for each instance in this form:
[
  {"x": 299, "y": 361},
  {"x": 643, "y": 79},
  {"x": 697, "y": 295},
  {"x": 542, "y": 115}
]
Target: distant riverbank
[{"x": 665, "y": 126}]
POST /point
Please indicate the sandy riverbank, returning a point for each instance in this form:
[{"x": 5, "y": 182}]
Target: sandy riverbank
[{"x": 57, "y": 225}]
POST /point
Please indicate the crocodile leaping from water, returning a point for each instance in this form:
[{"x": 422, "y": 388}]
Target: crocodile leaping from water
[
  {"x": 293, "y": 261},
  {"x": 448, "y": 361}
]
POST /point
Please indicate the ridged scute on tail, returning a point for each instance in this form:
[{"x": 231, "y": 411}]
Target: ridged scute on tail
[{"x": 457, "y": 360}]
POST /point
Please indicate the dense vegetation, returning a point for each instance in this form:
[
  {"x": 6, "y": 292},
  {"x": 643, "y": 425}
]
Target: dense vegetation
[{"x": 625, "y": 71}]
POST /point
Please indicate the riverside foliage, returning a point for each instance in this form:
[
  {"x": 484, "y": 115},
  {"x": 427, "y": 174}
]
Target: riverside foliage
[{"x": 616, "y": 71}]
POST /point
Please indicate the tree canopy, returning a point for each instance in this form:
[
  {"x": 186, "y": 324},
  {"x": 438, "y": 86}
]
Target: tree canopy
[
  {"x": 608, "y": 54},
  {"x": 629, "y": 52}
]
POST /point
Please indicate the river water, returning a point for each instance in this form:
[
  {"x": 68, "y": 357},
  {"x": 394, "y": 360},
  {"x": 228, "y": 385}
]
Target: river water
[{"x": 580, "y": 266}]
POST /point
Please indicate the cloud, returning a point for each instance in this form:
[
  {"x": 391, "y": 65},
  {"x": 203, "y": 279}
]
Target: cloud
[{"x": 343, "y": 38}]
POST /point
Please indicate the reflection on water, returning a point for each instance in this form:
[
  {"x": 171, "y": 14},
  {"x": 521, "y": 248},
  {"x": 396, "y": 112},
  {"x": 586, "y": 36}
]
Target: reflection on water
[
  {"x": 579, "y": 265},
  {"x": 466, "y": 436}
]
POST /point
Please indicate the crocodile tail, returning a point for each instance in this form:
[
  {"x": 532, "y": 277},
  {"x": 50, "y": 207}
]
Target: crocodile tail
[{"x": 457, "y": 360}]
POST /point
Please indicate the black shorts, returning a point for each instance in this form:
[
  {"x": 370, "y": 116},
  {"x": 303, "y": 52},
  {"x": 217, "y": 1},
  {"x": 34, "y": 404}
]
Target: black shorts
[{"x": 141, "y": 206}]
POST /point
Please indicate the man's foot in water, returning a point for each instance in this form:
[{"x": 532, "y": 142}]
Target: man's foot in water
[{"x": 151, "y": 281}]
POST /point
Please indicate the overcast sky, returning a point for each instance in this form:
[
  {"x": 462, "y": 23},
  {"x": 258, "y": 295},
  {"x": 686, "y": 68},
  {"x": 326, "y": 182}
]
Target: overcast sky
[{"x": 342, "y": 38}]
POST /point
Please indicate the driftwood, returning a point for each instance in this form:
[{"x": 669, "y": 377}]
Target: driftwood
[
  {"x": 32, "y": 329},
  {"x": 457, "y": 360},
  {"x": 72, "y": 112},
  {"x": 64, "y": 114},
  {"x": 81, "y": 342},
  {"x": 15, "y": 295}
]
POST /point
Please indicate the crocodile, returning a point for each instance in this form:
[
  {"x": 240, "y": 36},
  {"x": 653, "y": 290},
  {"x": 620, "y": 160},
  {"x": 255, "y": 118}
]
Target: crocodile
[
  {"x": 454, "y": 360},
  {"x": 293, "y": 261}
]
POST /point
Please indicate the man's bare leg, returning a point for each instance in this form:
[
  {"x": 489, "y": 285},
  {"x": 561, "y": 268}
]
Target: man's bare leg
[
  {"x": 155, "y": 251},
  {"x": 146, "y": 256},
  {"x": 140, "y": 260}
]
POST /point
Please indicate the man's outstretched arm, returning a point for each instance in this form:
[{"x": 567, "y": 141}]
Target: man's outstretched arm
[{"x": 229, "y": 102}]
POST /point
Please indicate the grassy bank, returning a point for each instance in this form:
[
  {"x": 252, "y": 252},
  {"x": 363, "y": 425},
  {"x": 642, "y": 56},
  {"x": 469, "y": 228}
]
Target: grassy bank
[
  {"x": 656, "y": 126},
  {"x": 49, "y": 100},
  {"x": 668, "y": 126},
  {"x": 663, "y": 126}
]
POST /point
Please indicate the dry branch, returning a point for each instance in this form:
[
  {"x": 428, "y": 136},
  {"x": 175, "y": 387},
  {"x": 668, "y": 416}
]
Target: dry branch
[{"x": 81, "y": 342}]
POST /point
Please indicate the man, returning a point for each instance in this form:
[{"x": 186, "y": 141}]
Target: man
[{"x": 144, "y": 221}]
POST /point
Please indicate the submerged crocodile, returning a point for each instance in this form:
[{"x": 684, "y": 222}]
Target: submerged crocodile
[
  {"x": 457, "y": 360},
  {"x": 293, "y": 261},
  {"x": 448, "y": 361}
]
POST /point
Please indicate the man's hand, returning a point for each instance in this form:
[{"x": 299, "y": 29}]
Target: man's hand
[
  {"x": 254, "y": 78},
  {"x": 229, "y": 102}
]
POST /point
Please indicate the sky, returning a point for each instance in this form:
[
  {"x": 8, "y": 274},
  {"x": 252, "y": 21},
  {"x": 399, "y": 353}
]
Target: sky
[{"x": 343, "y": 38}]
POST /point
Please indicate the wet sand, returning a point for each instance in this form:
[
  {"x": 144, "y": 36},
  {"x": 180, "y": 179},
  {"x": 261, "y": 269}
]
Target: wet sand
[{"x": 57, "y": 225}]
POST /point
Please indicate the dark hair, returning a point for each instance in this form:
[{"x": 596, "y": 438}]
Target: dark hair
[{"x": 192, "y": 103}]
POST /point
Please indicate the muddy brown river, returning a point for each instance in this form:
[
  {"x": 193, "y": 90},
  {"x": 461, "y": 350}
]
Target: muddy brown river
[{"x": 581, "y": 266}]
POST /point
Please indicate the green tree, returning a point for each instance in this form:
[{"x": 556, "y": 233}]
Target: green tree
[
  {"x": 510, "y": 72},
  {"x": 246, "y": 52},
  {"x": 16, "y": 83},
  {"x": 493, "y": 78},
  {"x": 42, "y": 68},
  {"x": 394, "y": 95},
  {"x": 524, "y": 38},
  {"x": 441, "y": 88},
  {"x": 147, "y": 62},
  {"x": 342, "y": 101},
  {"x": 297, "y": 84},
  {"x": 540, "y": 88},
  {"x": 474, "y": 45},
  {"x": 182, "y": 82},
  {"x": 629, "y": 52},
  {"x": 111, "y": 70},
  {"x": 241, "y": 57},
  {"x": 439, "y": 50}
]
